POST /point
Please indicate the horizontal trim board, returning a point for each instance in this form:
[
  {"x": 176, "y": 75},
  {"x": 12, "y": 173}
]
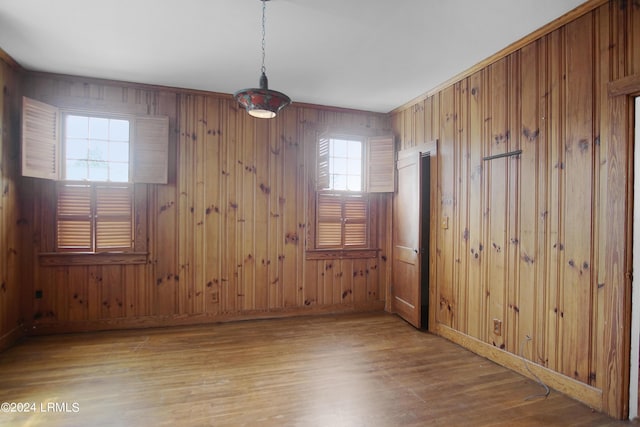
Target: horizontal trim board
[
  {"x": 182, "y": 320},
  {"x": 75, "y": 258},
  {"x": 625, "y": 86}
]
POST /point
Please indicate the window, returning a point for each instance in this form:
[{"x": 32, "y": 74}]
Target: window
[
  {"x": 91, "y": 215},
  {"x": 96, "y": 160},
  {"x": 348, "y": 169}
]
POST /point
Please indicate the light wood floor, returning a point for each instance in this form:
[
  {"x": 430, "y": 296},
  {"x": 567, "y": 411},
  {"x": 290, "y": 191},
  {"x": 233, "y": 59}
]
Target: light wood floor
[{"x": 349, "y": 370}]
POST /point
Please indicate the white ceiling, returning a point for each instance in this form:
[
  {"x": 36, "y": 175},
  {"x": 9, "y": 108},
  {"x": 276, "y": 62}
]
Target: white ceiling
[{"x": 365, "y": 54}]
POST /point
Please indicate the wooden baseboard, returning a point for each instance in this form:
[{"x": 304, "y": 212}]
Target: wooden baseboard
[
  {"x": 11, "y": 337},
  {"x": 52, "y": 327},
  {"x": 582, "y": 392}
]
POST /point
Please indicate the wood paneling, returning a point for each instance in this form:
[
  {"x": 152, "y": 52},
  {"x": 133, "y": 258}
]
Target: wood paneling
[
  {"x": 225, "y": 237},
  {"x": 540, "y": 241},
  {"x": 12, "y": 223}
]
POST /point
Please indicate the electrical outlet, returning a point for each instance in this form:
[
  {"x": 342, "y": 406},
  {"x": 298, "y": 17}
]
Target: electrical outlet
[
  {"x": 38, "y": 294},
  {"x": 497, "y": 327}
]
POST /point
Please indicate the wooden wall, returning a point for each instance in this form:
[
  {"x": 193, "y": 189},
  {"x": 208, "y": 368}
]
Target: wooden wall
[
  {"x": 539, "y": 241},
  {"x": 226, "y": 236},
  {"x": 10, "y": 236}
]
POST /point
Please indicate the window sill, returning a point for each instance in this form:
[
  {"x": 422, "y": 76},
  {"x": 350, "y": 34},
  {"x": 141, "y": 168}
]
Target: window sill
[
  {"x": 83, "y": 258},
  {"x": 320, "y": 254}
]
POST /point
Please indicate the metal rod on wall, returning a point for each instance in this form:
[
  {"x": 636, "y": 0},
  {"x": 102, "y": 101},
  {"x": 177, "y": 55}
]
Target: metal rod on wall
[{"x": 497, "y": 156}]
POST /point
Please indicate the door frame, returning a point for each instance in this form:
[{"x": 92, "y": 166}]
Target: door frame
[
  {"x": 634, "y": 374},
  {"x": 617, "y": 125}
]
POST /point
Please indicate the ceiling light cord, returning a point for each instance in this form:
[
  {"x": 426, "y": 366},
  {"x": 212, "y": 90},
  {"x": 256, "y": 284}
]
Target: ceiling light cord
[{"x": 264, "y": 8}]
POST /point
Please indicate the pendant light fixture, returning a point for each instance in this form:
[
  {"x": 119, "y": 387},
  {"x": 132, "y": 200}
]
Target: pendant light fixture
[{"x": 262, "y": 102}]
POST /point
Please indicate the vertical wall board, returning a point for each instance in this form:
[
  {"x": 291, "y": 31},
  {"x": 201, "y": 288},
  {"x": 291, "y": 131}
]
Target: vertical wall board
[
  {"x": 447, "y": 291},
  {"x": 186, "y": 210},
  {"x": 538, "y": 345},
  {"x": 274, "y": 192},
  {"x": 461, "y": 236},
  {"x": 359, "y": 273},
  {"x": 79, "y": 297},
  {"x": 475, "y": 283},
  {"x": 196, "y": 285},
  {"x": 496, "y": 209},
  {"x": 132, "y": 306},
  {"x": 302, "y": 198},
  {"x": 236, "y": 217},
  {"x": 419, "y": 123},
  {"x": 289, "y": 236},
  {"x": 409, "y": 129},
  {"x": 373, "y": 290},
  {"x": 554, "y": 102},
  {"x": 633, "y": 40},
  {"x": 230, "y": 246},
  {"x": 344, "y": 276},
  {"x": 165, "y": 291},
  {"x": 58, "y": 294},
  {"x": 211, "y": 206},
  {"x": 514, "y": 203},
  {"x": 5, "y": 300},
  {"x": 579, "y": 142},
  {"x": 261, "y": 194},
  {"x": 603, "y": 76},
  {"x": 110, "y": 282}
]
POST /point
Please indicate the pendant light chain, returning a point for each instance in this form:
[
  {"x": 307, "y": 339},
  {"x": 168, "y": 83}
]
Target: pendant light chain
[
  {"x": 262, "y": 102},
  {"x": 264, "y": 6}
]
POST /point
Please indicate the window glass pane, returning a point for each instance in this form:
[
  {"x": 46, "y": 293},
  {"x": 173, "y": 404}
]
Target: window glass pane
[
  {"x": 98, "y": 128},
  {"x": 77, "y": 170},
  {"x": 77, "y": 148},
  {"x": 119, "y": 172},
  {"x": 354, "y": 183},
  {"x": 119, "y": 130},
  {"x": 338, "y": 148},
  {"x": 339, "y": 182},
  {"x": 119, "y": 152},
  {"x": 354, "y": 149},
  {"x": 98, "y": 171},
  {"x": 98, "y": 150},
  {"x": 355, "y": 167},
  {"x": 77, "y": 127},
  {"x": 339, "y": 166}
]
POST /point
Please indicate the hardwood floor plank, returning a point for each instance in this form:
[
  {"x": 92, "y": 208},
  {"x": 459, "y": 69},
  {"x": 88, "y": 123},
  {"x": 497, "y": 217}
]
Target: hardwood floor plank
[{"x": 347, "y": 370}]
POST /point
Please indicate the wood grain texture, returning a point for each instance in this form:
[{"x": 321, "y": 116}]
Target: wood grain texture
[
  {"x": 226, "y": 236},
  {"x": 12, "y": 224},
  {"x": 372, "y": 370},
  {"x": 540, "y": 242}
]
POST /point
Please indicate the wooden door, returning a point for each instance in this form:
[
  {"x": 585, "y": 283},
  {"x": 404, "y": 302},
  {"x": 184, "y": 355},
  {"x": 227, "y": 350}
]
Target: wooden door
[{"x": 405, "y": 286}]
